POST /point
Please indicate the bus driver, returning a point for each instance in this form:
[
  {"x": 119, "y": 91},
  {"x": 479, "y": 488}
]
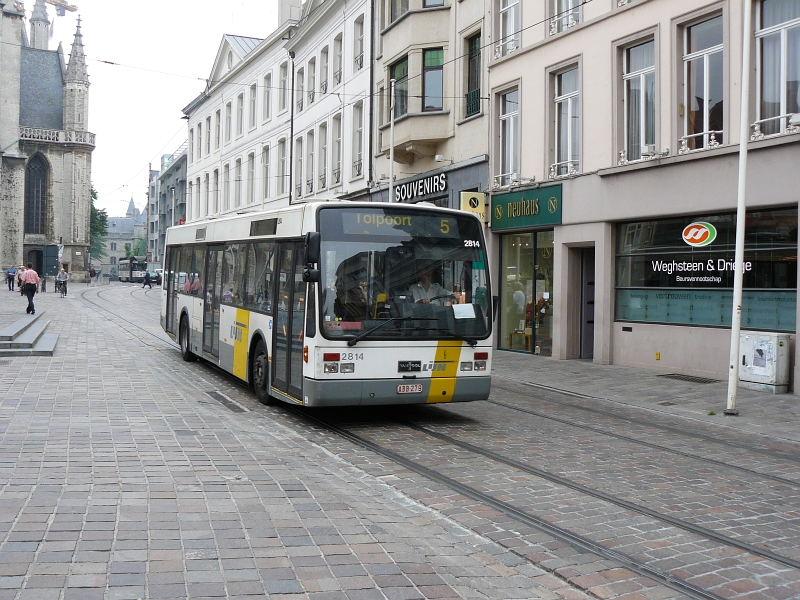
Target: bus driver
[{"x": 426, "y": 290}]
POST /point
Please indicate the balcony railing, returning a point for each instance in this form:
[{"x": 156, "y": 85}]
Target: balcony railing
[
  {"x": 298, "y": 190},
  {"x": 780, "y": 125},
  {"x": 311, "y": 96},
  {"x": 359, "y": 61},
  {"x": 507, "y": 47},
  {"x": 337, "y": 77},
  {"x": 357, "y": 168},
  {"x": 322, "y": 181},
  {"x": 310, "y": 186},
  {"x": 337, "y": 176},
  {"x": 562, "y": 23},
  {"x": 323, "y": 86},
  {"x": 300, "y": 104},
  {"x": 701, "y": 141},
  {"x": 473, "y": 102},
  {"x": 565, "y": 168},
  {"x": 56, "y": 135}
]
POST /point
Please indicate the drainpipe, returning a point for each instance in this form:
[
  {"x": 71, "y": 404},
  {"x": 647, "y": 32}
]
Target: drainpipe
[
  {"x": 371, "y": 89},
  {"x": 291, "y": 134}
]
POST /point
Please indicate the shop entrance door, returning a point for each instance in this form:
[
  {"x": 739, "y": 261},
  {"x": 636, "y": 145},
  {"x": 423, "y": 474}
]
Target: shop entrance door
[{"x": 587, "y": 303}]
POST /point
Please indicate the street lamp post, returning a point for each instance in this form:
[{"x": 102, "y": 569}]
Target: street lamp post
[{"x": 391, "y": 141}]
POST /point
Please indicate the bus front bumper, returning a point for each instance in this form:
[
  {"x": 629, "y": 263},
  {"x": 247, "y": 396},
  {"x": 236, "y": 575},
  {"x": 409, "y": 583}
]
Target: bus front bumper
[{"x": 385, "y": 391}]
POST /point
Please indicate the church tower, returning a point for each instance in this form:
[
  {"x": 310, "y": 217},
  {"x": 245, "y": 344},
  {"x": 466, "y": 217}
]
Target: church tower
[
  {"x": 76, "y": 86},
  {"x": 40, "y": 26}
]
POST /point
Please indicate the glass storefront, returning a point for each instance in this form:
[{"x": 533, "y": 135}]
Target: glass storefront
[
  {"x": 526, "y": 292},
  {"x": 680, "y": 270}
]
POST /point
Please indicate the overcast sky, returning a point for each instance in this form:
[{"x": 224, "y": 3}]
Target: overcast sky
[{"x": 165, "y": 51}]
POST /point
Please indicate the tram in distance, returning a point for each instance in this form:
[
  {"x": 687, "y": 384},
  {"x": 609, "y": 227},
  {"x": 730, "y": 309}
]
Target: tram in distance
[
  {"x": 132, "y": 269},
  {"x": 336, "y": 303}
]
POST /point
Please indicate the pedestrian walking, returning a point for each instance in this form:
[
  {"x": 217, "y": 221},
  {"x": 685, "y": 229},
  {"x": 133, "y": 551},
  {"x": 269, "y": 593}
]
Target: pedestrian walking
[
  {"x": 20, "y": 272},
  {"x": 62, "y": 279},
  {"x": 147, "y": 280},
  {"x": 11, "y": 275},
  {"x": 30, "y": 281}
]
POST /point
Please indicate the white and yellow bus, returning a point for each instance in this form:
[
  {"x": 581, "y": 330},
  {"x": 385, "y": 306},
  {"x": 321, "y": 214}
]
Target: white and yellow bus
[{"x": 336, "y": 303}]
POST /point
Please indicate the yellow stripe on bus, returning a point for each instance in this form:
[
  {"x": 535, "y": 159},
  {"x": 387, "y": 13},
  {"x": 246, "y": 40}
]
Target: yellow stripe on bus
[
  {"x": 443, "y": 383},
  {"x": 240, "y": 343}
]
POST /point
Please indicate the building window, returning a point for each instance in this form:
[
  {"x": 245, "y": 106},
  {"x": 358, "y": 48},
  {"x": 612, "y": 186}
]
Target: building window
[
  {"x": 566, "y": 14},
  {"x": 265, "y": 167},
  {"x": 113, "y": 245},
  {"x": 473, "y": 75},
  {"x": 230, "y": 60},
  {"x": 237, "y": 183},
  {"x": 312, "y": 79},
  {"x": 216, "y": 191},
  {"x": 323, "y": 155},
  {"x": 35, "y": 195},
  {"x": 702, "y": 86},
  {"x": 251, "y": 177},
  {"x": 226, "y": 187},
  {"x": 399, "y": 72},
  {"x": 208, "y": 135},
  {"x": 283, "y": 102},
  {"x": 239, "y": 114},
  {"x": 310, "y": 163},
  {"x": 191, "y": 145},
  {"x": 197, "y": 199},
  {"x": 358, "y": 139},
  {"x": 567, "y": 124},
  {"x": 298, "y": 170},
  {"x": 267, "y": 99},
  {"x": 300, "y": 87},
  {"x": 432, "y": 3},
  {"x": 199, "y": 140},
  {"x": 337, "y": 60},
  {"x": 509, "y": 131},
  {"x": 639, "y": 80},
  {"x": 217, "y": 129},
  {"x": 228, "y": 117},
  {"x": 207, "y": 203},
  {"x": 282, "y": 167},
  {"x": 432, "y": 79},
  {"x": 253, "y": 104},
  {"x": 336, "y": 165},
  {"x": 509, "y": 27},
  {"x": 323, "y": 71},
  {"x": 398, "y": 9},
  {"x": 778, "y": 64},
  {"x": 358, "y": 49},
  {"x": 113, "y": 259}
]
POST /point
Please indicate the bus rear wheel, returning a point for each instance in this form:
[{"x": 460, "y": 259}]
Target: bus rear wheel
[
  {"x": 259, "y": 367},
  {"x": 183, "y": 336}
]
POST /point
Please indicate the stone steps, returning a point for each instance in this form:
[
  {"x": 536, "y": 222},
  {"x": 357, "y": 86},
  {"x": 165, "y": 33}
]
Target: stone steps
[{"x": 26, "y": 337}]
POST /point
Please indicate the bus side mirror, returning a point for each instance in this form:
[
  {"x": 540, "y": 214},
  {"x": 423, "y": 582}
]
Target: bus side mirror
[
  {"x": 310, "y": 274},
  {"x": 312, "y": 247},
  {"x": 495, "y": 303}
]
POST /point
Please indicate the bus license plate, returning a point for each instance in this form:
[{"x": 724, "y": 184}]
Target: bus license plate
[{"x": 413, "y": 388}]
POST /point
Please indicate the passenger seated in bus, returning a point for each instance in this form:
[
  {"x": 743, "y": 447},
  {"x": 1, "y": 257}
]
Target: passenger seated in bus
[
  {"x": 427, "y": 291},
  {"x": 195, "y": 285},
  {"x": 227, "y": 295}
]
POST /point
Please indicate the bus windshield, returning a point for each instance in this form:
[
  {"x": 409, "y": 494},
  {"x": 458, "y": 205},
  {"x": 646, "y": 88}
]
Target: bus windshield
[{"x": 424, "y": 272}]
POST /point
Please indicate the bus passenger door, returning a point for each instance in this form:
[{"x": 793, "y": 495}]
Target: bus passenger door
[
  {"x": 212, "y": 294},
  {"x": 287, "y": 347}
]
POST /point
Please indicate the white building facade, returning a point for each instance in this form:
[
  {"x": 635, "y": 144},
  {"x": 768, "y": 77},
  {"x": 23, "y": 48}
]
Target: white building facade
[{"x": 614, "y": 144}]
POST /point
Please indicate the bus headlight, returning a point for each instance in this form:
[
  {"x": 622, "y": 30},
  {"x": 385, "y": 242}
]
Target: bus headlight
[
  {"x": 331, "y": 367},
  {"x": 466, "y": 366},
  {"x": 480, "y": 365},
  {"x": 348, "y": 368}
]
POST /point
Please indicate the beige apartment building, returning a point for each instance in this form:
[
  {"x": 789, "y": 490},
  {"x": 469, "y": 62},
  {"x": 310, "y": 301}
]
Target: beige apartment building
[
  {"x": 436, "y": 51},
  {"x": 614, "y": 155}
]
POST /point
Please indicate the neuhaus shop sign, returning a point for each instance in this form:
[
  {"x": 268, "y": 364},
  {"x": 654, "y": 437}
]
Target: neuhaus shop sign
[{"x": 529, "y": 208}]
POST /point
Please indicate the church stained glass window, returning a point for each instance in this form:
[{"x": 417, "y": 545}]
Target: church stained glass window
[{"x": 35, "y": 195}]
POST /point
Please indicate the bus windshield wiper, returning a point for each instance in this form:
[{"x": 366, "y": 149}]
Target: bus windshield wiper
[
  {"x": 357, "y": 338},
  {"x": 471, "y": 341}
]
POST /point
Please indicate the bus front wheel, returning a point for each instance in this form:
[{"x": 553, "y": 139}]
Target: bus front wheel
[
  {"x": 259, "y": 367},
  {"x": 183, "y": 335}
]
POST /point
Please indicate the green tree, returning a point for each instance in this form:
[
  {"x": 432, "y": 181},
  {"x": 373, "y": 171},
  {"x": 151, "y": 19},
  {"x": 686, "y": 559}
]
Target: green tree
[
  {"x": 128, "y": 251},
  {"x": 98, "y": 229},
  {"x": 140, "y": 248}
]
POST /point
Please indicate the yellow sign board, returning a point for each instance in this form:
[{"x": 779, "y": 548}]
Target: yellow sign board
[{"x": 474, "y": 202}]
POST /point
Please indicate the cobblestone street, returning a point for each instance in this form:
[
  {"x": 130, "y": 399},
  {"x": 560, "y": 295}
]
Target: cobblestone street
[{"x": 127, "y": 473}]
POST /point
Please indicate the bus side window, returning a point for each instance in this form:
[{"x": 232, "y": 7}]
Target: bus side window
[
  {"x": 198, "y": 269},
  {"x": 184, "y": 268}
]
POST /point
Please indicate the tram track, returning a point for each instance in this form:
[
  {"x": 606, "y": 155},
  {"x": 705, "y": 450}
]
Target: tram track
[
  {"x": 578, "y": 541},
  {"x": 640, "y": 422}
]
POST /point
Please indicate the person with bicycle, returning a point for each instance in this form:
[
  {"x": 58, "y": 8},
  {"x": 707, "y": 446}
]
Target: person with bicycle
[{"x": 61, "y": 282}]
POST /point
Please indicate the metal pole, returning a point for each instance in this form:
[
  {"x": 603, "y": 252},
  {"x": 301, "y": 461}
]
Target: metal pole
[
  {"x": 291, "y": 134},
  {"x": 738, "y": 261},
  {"x": 391, "y": 141},
  {"x": 173, "y": 207}
]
